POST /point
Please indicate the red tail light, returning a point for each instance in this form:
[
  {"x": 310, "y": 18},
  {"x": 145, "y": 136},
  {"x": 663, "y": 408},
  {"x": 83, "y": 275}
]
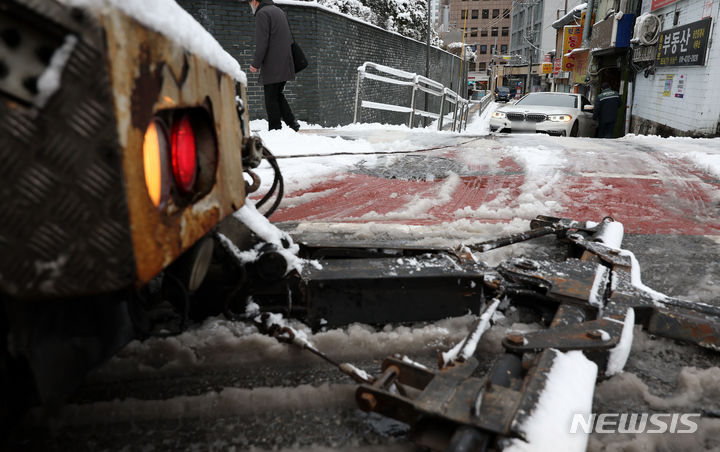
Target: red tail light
[{"x": 184, "y": 154}]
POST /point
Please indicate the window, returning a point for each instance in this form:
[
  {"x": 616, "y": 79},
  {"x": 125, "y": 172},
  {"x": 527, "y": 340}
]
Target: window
[
  {"x": 483, "y": 49},
  {"x": 496, "y": 13},
  {"x": 481, "y": 66},
  {"x": 475, "y": 14},
  {"x": 483, "y": 32},
  {"x": 494, "y": 31},
  {"x": 503, "y": 48},
  {"x": 549, "y": 100},
  {"x": 505, "y": 31},
  {"x": 492, "y": 49},
  {"x": 463, "y": 14},
  {"x": 485, "y": 13},
  {"x": 506, "y": 13},
  {"x": 473, "y": 32}
]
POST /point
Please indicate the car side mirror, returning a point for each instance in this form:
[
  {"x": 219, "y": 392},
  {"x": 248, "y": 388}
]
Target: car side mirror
[{"x": 588, "y": 108}]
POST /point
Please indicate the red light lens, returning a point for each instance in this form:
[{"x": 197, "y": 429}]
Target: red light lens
[{"x": 184, "y": 160}]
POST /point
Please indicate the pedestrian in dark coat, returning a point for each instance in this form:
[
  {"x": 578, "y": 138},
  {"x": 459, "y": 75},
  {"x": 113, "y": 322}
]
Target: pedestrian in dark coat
[
  {"x": 273, "y": 58},
  {"x": 605, "y": 111}
]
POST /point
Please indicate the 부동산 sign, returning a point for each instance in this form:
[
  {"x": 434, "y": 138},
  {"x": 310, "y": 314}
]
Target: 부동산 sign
[{"x": 683, "y": 46}]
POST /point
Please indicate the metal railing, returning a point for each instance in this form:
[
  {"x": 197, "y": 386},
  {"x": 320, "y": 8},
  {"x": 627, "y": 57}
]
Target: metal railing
[
  {"x": 483, "y": 103},
  {"x": 419, "y": 84}
]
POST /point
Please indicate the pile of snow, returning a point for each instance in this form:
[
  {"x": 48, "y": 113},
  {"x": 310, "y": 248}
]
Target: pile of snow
[
  {"x": 568, "y": 391},
  {"x": 168, "y": 18}
]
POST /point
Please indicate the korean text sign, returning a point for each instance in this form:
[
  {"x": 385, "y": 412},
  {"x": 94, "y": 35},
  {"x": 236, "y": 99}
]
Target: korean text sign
[
  {"x": 572, "y": 39},
  {"x": 683, "y": 46}
]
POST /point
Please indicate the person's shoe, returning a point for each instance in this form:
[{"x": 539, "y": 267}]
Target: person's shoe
[{"x": 295, "y": 126}]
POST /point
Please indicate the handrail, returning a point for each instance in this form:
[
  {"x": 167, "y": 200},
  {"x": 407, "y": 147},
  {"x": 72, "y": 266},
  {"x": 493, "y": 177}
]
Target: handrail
[{"x": 419, "y": 83}]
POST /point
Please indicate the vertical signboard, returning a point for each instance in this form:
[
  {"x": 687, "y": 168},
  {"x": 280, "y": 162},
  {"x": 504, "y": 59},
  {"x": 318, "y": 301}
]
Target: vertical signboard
[
  {"x": 581, "y": 62},
  {"x": 572, "y": 39},
  {"x": 683, "y": 46}
]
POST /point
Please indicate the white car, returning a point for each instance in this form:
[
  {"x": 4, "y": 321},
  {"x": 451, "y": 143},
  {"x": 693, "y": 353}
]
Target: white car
[{"x": 561, "y": 114}]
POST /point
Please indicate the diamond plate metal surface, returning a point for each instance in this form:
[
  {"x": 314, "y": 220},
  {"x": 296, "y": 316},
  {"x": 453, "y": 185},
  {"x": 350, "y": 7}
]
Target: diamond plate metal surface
[{"x": 64, "y": 224}]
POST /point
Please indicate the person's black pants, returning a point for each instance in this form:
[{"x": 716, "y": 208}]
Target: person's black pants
[
  {"x": 605, "y": 130},
  {"x": 277, "y": 106}
]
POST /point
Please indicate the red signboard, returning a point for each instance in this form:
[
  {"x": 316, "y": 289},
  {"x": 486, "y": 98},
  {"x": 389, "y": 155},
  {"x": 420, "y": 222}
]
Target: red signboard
[
  {"x": 557, "y": 67},
  {"x": 660, "y": 3}
]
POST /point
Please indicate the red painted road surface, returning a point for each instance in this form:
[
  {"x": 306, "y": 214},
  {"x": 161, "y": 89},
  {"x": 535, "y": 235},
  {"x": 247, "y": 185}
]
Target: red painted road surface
[{"x": 649, "y": 191}]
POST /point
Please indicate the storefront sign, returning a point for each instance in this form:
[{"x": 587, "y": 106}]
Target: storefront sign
[
  {"x": 683, "y": 46},
  {"x": 557, "y": 66},
  {"x": 547, "y": 68},
  {"x": 572, "y": 39},
  {"x": 660, "y": 3},
  {"x": 707, "y": 8},
  {"x": 580, "y": 71}
]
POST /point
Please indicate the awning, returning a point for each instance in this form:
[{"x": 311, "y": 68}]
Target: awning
[{"x": 571, "y": 17}]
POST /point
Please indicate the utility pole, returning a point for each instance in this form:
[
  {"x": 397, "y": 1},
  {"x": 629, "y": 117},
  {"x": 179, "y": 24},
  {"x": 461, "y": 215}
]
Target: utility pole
[
  {"x": 427, "y": 61},
  {"x": 530, "y": 39},
  {"x": 493, "y": 58}
]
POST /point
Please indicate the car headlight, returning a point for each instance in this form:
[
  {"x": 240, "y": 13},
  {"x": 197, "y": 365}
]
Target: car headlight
[
  {"x": 559, "y": 118},
  {"x": 498, "y": 115}
]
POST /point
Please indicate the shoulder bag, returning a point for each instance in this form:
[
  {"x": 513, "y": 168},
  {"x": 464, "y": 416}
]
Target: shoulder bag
[{"x": 299, "y": 59}]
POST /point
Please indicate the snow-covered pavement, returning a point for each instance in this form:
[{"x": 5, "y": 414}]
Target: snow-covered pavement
[
  {"x": 392, "y": 174},
  {"x": 222, "y": 385}
]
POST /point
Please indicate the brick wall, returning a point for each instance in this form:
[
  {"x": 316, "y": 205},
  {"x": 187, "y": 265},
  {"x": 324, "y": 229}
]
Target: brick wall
[{"x": 335, "y": 45}]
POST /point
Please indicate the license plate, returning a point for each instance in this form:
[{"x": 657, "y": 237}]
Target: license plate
[{"x": 522, "y": 126}]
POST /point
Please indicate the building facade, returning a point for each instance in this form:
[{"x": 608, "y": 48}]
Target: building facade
[
  {"x": 534, "y": 41},
  {"x": 527, "y": 26},
  {"x": 673, "y": 93},
  {"x": 486, "y": 27}
]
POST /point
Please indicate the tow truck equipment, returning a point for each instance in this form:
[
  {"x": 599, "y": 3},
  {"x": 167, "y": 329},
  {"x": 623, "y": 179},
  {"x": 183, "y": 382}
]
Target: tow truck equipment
[{"x": 592, "y": 295}]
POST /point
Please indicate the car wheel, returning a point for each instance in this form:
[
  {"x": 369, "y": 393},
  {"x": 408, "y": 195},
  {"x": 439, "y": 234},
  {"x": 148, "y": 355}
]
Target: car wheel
[{"x": 574, "y": 130}]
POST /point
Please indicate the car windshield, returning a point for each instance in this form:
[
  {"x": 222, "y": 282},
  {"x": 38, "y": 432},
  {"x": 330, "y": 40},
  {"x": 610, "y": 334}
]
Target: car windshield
[
  {"x": 549, "y": 100},
  {"x": 502, "y": 89}
]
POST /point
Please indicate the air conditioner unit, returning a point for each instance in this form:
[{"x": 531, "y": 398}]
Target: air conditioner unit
[
  {"x": 647, "y": 29},
  {"x": 613, "y": 31}
]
